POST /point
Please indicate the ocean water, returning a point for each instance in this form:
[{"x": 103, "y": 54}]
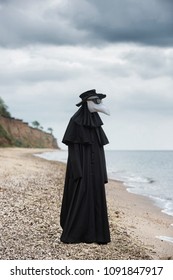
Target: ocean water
[{"x": 148, "y": 173}]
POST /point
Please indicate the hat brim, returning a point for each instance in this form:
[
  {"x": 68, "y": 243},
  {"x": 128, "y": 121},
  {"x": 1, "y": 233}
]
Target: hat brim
[{"x": 99, "y": 95}]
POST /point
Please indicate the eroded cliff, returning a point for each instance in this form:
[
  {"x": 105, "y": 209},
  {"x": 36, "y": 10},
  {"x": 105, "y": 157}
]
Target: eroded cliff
[{"x": 15, "y": 132}]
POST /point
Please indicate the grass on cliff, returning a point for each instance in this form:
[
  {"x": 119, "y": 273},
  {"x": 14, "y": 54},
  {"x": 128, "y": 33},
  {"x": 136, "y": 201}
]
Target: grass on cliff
[{"x": 6, "y": 139}]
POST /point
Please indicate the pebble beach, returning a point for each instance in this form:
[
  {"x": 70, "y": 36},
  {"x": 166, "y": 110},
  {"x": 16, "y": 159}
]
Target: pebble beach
[{"x": 31, "y": 190}]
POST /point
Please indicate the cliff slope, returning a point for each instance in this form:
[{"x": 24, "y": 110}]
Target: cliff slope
[{"x": 15, "y": 132}]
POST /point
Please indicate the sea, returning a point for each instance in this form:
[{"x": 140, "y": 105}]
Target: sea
[{"x": 147, "y": 173}]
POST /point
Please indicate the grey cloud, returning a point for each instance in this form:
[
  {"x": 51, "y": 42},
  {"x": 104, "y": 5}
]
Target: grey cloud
[
  {"x": 27, "y": 25},
  {"x": 145, "y": 22},
  {"x": 93, "y": 22}
]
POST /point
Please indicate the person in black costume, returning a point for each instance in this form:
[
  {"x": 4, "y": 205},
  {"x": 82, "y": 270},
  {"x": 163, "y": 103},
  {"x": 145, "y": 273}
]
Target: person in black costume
[{"x": 83, "y": 215}]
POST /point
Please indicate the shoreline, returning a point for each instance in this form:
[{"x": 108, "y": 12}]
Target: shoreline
[
  {"x": 30, "y": 196},
  {"x": 151, "y": 201},
  {"x": 143, "y": 219}
]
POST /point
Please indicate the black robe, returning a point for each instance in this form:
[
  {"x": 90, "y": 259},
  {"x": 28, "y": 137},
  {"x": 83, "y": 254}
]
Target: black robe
[{"x": 84, "y": 211}]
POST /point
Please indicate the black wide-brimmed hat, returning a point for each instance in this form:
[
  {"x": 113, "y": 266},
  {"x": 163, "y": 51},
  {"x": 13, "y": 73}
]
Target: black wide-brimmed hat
[{"x": 92, "y": 92}]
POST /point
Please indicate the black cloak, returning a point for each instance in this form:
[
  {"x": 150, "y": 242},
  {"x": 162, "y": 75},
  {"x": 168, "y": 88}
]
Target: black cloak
[{"x": 84, "y": 211}]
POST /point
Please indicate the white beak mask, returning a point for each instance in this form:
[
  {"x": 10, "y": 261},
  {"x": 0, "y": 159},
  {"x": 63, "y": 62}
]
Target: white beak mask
[{"x": 95, "y": 105}]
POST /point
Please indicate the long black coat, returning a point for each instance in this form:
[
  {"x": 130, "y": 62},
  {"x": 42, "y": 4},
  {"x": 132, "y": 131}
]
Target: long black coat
[{"x": 84, "y": 211}]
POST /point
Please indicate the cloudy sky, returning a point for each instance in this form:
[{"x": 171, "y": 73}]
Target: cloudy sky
[{"x": 53, "y": 50}]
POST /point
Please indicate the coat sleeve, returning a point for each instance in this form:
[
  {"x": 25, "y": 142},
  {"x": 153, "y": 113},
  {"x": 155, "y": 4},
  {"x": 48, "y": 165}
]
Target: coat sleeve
[{"x": 75, "y": 160}]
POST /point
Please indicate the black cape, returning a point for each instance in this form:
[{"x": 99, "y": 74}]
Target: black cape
[{"x": 84, "y": 211}]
